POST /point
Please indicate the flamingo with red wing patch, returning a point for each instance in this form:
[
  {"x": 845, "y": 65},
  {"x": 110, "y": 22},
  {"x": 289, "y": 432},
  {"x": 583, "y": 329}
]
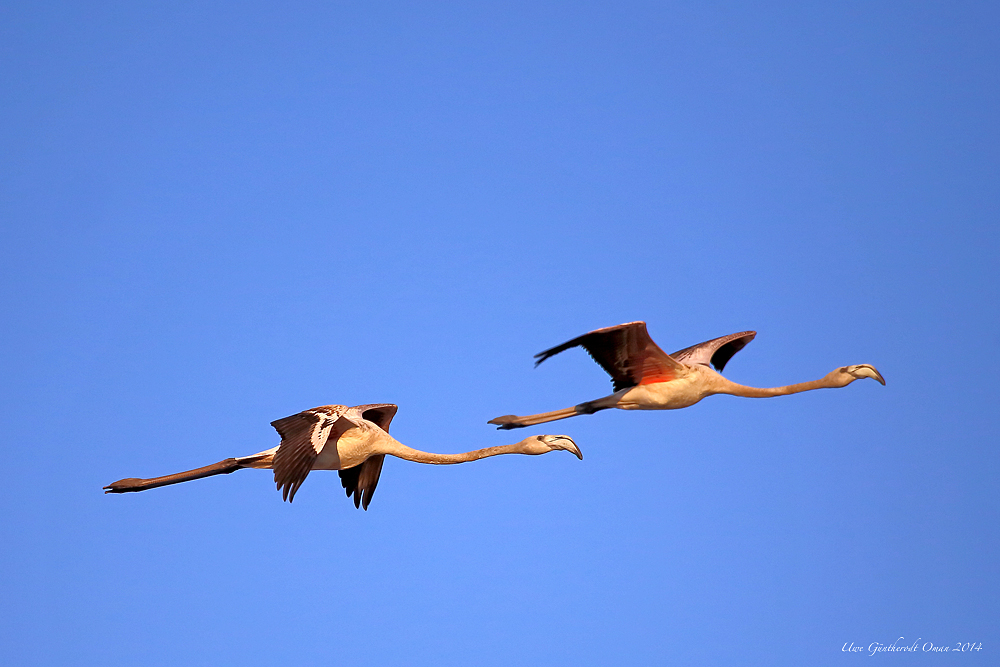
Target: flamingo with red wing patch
[{"x": 647, "y": 378}]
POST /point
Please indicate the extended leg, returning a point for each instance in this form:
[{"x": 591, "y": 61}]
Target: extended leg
[
  {"x": 513, "y": 421},
  {"x": 135, "y": 484}
]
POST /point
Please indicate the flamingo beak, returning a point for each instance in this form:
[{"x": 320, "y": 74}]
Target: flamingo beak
[
  {"x": 867, "y": 371},
  {"x": 561, "y": 442},
  {"x": 571, "y": 446}
]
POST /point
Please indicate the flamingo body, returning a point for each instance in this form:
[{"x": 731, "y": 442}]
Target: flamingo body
[{"x": 679, "y": 392}]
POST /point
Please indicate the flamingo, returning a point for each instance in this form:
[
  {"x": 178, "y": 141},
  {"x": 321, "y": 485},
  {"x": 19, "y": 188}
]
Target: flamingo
[
  {"x": 353, "y": 441},
  {"x": 647, "y": 378}
]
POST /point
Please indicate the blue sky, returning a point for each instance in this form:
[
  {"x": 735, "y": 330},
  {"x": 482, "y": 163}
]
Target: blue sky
[{"x": 215, "y": 216}]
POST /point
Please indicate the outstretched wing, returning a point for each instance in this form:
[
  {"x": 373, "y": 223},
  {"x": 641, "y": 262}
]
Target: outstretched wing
[
  {"x": 717, "y": 351},
  {"x": 360, "y": 481},
  {"x": 380, "y": 414},
  {"x": 626, "y": 353},
  {"x": 303, "y": 437}
]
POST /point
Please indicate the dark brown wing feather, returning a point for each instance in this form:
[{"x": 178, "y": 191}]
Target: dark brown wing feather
[
  {"x": 360, "y": 481},
  {"x": 625, "y": 352},
  {"x": 717, "y": 351},
  {"x": 380, "y": 414},
  {"x": 303, "y": 436}
]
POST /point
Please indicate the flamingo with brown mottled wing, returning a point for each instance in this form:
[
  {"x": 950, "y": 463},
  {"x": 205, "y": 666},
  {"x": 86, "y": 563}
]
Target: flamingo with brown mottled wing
[
  {"x": 647, "y": 378},
  {"x": 352, "y": 440}
]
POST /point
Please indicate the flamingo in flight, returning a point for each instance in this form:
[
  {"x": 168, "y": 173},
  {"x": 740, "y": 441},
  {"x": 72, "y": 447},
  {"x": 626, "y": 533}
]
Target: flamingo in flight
[
  {"x": 647, "y": 378},
  {"x": 353, "y": 441}
]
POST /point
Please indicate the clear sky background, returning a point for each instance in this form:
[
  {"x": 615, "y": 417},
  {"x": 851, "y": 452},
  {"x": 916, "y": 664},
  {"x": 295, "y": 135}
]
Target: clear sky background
[{"x": 216, "y": 215}]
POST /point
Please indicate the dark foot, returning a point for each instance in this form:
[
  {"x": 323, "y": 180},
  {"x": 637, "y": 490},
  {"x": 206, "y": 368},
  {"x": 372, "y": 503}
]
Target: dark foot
[
  {"x": 125, "y": 485},
  {"x": 507, "y": 422}
]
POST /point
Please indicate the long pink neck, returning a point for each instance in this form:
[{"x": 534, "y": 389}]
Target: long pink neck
[
  {"x": 402, "y": 451},
  {"x": 766, "y": 392}
]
